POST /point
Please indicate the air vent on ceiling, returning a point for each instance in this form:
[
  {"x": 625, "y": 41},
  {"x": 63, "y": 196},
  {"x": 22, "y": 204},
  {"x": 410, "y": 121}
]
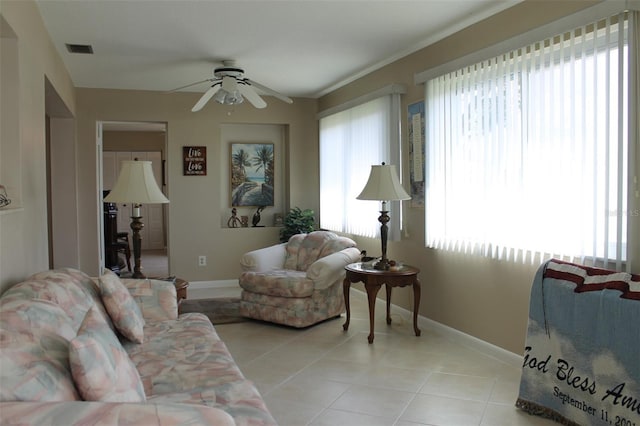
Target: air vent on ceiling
[{"x": 80, "y": 48}]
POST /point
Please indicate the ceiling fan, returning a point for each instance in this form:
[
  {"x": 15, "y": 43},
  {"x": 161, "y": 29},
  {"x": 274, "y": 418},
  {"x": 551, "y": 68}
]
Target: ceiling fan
[{"x": 230, "y": 87}]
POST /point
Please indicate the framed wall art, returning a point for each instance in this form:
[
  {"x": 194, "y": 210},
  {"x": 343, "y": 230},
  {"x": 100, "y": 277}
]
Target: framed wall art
[
  {"x": 252, "y": 174},
  {"x": 194, "y": 160},
  {"x": 416, "y": 126}
]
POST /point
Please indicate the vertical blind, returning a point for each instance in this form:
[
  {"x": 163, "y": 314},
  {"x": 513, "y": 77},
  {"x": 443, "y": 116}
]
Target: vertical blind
[
  {"x": 527, "y": 152},
  {"x": 350, "y": 142}
]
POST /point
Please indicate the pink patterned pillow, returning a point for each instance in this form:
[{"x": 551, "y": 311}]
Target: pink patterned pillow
[
  {"x": 101, "y": 368},
  {"x": 122, "y": 308}
]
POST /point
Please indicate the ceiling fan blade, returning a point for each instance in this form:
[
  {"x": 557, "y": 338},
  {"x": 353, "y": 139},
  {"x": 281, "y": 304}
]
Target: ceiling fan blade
[
  {"x": 205, "y": 98},
  {"x": 251, "y": 95},
  {"x": 188, "y": 85},
  {"x": 271, "y": 92}
]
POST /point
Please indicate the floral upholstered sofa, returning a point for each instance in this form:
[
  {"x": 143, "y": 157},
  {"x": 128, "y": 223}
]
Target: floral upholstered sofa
[{"x": 105, "y": 351}]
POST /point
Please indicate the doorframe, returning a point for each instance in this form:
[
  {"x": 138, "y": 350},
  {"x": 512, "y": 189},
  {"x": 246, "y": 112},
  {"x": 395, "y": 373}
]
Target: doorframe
[{"x": 100, "y": 184}]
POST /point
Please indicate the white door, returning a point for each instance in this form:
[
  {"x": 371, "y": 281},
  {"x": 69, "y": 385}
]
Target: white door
[
  {"x": 124, "y": 210},
  {"x": 154, "y": 213},
  {"x": 109, "y": 170}
]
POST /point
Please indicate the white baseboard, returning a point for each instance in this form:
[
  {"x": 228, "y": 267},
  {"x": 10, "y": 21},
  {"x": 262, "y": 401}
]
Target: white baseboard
[
  {"x": 458, "y": 336},
  {"x": 451, "y": 333},
  {"x": 201, "y": 285},
  {"x": 472, "y": 342}
]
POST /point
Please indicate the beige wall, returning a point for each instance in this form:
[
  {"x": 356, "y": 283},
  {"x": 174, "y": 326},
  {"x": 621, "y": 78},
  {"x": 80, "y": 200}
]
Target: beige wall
[
  {"x": 194, "y": 211},
  {"x": 23, "y": 230},
  {"x": 488, "y": 299},
  {"x": 115, "y": 140}
]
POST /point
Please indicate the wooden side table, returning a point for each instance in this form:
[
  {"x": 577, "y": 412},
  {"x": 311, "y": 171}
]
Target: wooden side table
[
  {"x": 181, "y": 289},
  {"x": 373, "y": 280}
]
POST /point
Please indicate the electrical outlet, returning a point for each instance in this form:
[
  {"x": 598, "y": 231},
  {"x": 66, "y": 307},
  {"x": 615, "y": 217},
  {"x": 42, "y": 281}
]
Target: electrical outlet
[{"x": 202, "y": 260}]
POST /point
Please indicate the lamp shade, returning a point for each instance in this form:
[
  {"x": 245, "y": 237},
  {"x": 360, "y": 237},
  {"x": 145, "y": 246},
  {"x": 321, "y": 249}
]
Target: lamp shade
[
  {"x": 136, "y": 184},
  {"x": 383, "y": 185}
]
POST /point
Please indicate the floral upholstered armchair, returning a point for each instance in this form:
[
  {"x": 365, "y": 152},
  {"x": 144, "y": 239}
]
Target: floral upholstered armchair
[{"x": 297, "y": 283}]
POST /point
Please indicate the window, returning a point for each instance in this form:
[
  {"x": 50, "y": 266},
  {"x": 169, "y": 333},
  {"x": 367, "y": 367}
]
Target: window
[
  {"x": 351, "y": 140},
  {"x": 527, "y": 152}
]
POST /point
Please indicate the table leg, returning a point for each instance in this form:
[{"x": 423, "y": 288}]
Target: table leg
[
  {"x": 372, "y": 292},
  {"x": 389, "y": 288},
  {"x": 345, "y": 287},
  {"x": 416, "y": 305}
]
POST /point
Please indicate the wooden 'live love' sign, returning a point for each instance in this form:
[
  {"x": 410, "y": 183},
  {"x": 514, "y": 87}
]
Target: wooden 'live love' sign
[{"x": 194, "y": 160}]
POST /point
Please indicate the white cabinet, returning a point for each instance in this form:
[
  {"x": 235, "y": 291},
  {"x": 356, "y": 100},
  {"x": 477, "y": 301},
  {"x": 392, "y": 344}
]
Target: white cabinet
[{"x": 152, "y": 214}]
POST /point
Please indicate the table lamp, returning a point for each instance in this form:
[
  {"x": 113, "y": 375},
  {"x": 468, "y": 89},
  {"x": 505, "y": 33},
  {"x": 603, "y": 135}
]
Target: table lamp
[
  {"x": 383, "y": 185},
  {"x": 136, "y": 185}
]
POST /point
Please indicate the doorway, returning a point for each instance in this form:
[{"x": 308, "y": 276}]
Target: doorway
[{"x": 145, "y": 141}]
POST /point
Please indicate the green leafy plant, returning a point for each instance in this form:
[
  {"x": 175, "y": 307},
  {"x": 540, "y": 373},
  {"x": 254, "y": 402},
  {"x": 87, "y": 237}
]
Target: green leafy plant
[{"x": 297, "y": 221}]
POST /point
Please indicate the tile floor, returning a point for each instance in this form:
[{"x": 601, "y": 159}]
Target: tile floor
[{"x": 325, "y": 376}]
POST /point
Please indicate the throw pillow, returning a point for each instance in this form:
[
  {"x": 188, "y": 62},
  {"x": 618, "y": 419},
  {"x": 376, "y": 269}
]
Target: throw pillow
[
  {"x": 122, "y": 308},
  {"x": 101, "y": 368},
  {"x": 34, "y": 367}
]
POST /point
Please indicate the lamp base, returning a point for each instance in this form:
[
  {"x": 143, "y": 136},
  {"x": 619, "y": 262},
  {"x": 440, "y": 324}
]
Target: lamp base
[
  {"x": 136, "y": 227},
  {"x": 382, "y": 265}
]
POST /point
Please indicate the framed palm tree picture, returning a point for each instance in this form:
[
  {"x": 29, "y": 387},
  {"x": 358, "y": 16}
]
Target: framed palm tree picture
[{"x": 252, "y": 179}]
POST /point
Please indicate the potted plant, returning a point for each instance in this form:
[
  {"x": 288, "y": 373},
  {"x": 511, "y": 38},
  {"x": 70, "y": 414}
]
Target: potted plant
[{"x": 297, "y": 221}]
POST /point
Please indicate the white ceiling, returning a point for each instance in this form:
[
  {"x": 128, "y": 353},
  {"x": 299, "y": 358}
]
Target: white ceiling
[{"x": 301, "y": 48}]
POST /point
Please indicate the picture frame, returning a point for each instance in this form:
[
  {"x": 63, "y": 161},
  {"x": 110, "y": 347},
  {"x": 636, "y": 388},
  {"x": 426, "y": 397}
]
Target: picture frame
[
  {"x": 194, "y": 160},
  {"x": 252, "y": 174},
  {"x": 416, "y": 142}
]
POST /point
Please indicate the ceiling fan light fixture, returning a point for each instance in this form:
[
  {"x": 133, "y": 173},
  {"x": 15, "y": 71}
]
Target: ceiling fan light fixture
[
  {"x": 228, "y": 98},
  {"x": 230, "y": 87}
]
